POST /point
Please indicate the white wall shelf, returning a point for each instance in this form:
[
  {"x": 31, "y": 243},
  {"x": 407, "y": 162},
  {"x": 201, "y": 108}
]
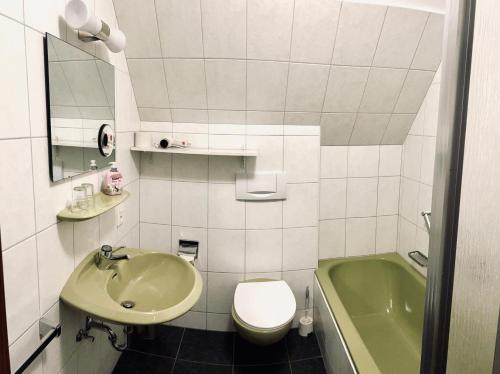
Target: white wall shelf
[{"x": 201, "y": 151}]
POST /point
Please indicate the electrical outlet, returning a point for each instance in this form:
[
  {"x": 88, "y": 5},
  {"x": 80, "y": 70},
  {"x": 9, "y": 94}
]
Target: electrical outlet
[{"x": 120, "y": 216}]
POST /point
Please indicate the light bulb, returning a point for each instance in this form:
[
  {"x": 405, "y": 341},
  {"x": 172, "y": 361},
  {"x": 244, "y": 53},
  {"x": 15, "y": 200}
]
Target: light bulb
[{"x": 78, "y": 16}]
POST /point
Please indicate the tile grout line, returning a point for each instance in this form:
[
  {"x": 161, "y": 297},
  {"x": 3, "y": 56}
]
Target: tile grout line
[{"x": 178, "y": 350}]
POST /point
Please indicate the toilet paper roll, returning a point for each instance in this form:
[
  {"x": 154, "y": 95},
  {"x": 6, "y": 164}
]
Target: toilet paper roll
[
  {"x": 142, "y": 140},
  {"x": 305, "y": 326}
]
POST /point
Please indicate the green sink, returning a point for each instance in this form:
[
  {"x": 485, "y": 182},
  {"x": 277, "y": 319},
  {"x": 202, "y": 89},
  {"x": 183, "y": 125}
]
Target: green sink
[{"x": 148, "y": 288}]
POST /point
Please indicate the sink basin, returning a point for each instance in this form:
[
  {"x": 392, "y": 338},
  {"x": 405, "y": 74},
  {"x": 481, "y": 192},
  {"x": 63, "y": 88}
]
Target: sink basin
[{"x": 148, "y": 288}]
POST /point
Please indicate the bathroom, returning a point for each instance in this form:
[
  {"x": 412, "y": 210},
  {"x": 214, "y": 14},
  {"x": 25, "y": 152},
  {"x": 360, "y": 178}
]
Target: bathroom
[{"x": 299, "y": 186}]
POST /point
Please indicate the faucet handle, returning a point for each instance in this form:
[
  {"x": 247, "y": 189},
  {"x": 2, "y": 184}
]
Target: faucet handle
[{"x": 106, "y": 250}]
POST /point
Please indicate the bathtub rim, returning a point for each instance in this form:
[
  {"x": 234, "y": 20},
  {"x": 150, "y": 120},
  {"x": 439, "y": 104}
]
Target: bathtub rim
[{"x": 356, "y": 349}]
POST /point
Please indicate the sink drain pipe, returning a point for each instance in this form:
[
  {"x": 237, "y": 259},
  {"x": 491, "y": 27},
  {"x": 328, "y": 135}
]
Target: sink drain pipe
[{"x": 91, "y": 323}]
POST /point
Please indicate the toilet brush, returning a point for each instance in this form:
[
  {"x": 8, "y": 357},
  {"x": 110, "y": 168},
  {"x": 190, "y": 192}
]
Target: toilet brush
[{"x": 306, "y": 322}]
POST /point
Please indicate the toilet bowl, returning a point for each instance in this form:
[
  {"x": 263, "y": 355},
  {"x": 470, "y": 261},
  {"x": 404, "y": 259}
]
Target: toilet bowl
[{"x": 263, "y": 310}]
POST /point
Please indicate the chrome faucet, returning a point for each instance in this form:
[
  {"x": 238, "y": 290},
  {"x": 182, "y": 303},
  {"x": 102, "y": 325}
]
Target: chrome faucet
[{"x": 105, "y": 257}]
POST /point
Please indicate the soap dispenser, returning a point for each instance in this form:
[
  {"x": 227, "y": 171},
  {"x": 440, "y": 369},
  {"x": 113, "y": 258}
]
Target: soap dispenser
[{"x": 112, "y": 183}]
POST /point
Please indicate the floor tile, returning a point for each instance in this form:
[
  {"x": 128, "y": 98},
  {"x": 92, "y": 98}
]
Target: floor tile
[
  {"x": 140, "y": 363},
  {"x": 165, "y": 342},
  {"x": 187, "y": 367},
  {"x": 311, "y": 366},
  {"x": 250, "y": 354},
  {"x": 300, "y": 348},
  {"x": 263, "y": 369},
  {"x": 212, "y": 347}
]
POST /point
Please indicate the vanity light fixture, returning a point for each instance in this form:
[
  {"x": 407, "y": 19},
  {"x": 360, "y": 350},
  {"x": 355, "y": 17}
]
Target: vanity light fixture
[{"x": 90, "y": 28}]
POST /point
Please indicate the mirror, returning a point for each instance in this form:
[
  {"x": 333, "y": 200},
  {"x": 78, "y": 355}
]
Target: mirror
[{"x": 81, "y": 110}]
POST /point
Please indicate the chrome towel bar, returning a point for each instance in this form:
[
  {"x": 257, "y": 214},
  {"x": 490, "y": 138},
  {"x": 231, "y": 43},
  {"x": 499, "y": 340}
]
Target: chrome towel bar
[{"x": 48, "y": 331}]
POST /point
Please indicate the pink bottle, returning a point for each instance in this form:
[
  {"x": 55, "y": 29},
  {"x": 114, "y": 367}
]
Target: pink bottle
[{"x": 112, "y": 183}]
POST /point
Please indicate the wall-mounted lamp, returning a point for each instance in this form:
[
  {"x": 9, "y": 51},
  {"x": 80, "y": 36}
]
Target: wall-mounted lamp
[{"x": 90, "y": 28}]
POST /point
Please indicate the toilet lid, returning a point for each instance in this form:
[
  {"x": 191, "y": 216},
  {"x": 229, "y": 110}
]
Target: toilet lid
[{"x": 264, "y": 304}]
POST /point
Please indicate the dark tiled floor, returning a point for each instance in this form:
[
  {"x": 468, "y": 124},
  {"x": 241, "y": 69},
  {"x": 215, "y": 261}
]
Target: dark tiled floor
[{"x": 174, "y": 350}]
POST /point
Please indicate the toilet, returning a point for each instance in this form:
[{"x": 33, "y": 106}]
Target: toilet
[{"x": 263, "y": 310}]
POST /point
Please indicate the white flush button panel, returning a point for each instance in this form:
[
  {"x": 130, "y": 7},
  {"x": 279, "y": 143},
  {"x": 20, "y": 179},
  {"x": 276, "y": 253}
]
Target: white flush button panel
[{"x": 261, "y": 186}]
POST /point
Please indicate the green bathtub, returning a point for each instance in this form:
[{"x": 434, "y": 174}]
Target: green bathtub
[{"x": 378, "y": 303}]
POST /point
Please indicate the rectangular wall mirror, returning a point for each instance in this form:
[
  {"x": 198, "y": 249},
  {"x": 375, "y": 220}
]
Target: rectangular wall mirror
[{"x": 80, "y": 110}]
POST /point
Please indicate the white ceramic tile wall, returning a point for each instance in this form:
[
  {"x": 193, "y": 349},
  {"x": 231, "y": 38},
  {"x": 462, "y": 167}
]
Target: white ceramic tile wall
[
  {"x": 39, "y": 252},
  {"x": 359, "y": 200},
  {"x": 194, "y": 198},
  {"x": 417, "y": 174},
  {"x": 292, "y": 62}
]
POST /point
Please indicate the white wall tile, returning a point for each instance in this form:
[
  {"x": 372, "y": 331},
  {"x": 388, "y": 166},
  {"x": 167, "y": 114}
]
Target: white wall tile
[
  {"x": 390, "y": 160},
  {"x": 36, "y": 82},
  {"x": 300, "y": 248},
  {"x": 387, "y": 233},
  {"x": 358, "y": 32},
  {"x": 192, "y": 233},
  {"x": 224, "y": 28},
  {"x": 155, "y": 237},
  {"x": 263, "y": 214},
  {"x": 156, "y": 201},
  {"x": 15, "y": 111},
  {"x": 269, "y": 29},
  {"x": 361, "y": 197},
  {"x": 428, "y": 157},
  {"x": 432, "y": 110},
  {"x": 412, "y": 156},
  {"x": 363, "y": 161},
  {"x": 12, "y": 9},
  {"x": 382, "y": 90},
  {"x": 407, "y": 233},
  {"x": 314, "y": 29},
  {"x": 21, "y": 287},
  {"x": 302, "y": 155},
  {"x": 424, "y": 204},
  {"x": 270, "y": 156},
  {"x": 22, "y": 348},
  {"x": 16, "y": 193},
  {"x": 189, "y": 204},
  {"x": 137, "y": 20},
  {"x": 336, "y": 128},
  {"x": 360, "y": 236},
  {"x": 189, "y": 168},
  {"x": 86, "y": 238},
  {"x": 302, "y": 119},
  {"x": 220, "y": 293},
  {"x": 388, "y": 195},
  {"x": 179, "y": 24},
  {"x": 263, "y": 118},
  {"x": 189, "y": 115},
  {"x": 333, "y": 198},
  {"x": 369, "y": 129},
  {"x": 223, "y": 169},
  {"x": 267, "y": 82},
  {"x": 226, "y": 251},
  {"x": 428, "y": 54},
  {"x": 46, "y": 16},
  {"x": 398, "y": 128},
  {"x": 299, "y": 280},
  {"x": 226, "y": 84},
  {"x": 399, "y": 38},
  {"x": 333, "y": 162},
  {"x": 301, "y": 207},
  {"x": 148, "y": 80},
  {"x": 224, "y": 211},
  {"x": 306, "y": 87},
  {"x": 186, "y": 83},
  {"x": 345, "y": 88},
  {"x": 408, "y": 201},
  {"x": 332, "y": 238},
  {"x": 415, "y": 88},
  {"x": 191, "y": 320},
  {"x": 264, "y": 250},
  {"x": 56, "y": 262}
]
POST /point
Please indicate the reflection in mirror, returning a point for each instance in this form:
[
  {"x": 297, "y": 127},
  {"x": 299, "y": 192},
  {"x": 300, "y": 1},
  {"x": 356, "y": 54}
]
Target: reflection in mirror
[{"x": 81, "y": 102}]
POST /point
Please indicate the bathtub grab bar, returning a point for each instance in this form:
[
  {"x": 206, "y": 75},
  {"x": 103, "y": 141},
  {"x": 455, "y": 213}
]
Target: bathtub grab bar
[
  {"x": 426, "y": 215},
  {"x": 419, "y": 258}
]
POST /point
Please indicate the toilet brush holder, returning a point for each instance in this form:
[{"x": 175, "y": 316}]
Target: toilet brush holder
[
  {"x": 305, "y": 326},
  {"x": 306, "y": 322}
]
